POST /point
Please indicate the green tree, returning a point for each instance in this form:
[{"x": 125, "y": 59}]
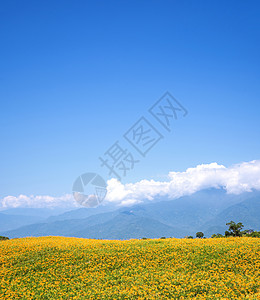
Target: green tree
[
  {"x": 218, "y": 235},
  {"x": 234, "y": 229},
  {"x": 200, "y": 234},
  {"x": 255, "y": 234}
]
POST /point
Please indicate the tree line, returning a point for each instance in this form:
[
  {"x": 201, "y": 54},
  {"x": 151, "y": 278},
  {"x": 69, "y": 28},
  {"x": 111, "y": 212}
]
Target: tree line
[{"x": 235, "y": 230}]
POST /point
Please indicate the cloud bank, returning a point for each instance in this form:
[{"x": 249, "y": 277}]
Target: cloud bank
[
  {"x": 239, "y": 178},
  {"x": 37, "y": 201}
]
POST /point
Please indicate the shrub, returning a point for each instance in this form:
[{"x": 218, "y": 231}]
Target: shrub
[
  {"x": 218, "y": 235},
  {"x": 255, "y": 234},
  {"x": 199, "y": 234}
]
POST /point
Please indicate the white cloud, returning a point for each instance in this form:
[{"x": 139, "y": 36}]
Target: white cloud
[
  {"x": 243, "y": 177},
  {"x": 236, "y": 179},
  {"x": 37, "y": 201}
]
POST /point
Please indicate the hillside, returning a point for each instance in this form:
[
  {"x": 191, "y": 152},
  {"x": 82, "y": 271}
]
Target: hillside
[{"x": 71, "y": 268}]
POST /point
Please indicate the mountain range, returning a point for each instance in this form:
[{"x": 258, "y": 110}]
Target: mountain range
[{"x": 207, "y": 211}]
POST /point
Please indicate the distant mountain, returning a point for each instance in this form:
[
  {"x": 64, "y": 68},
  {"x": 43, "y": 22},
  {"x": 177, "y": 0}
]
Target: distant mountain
[
  {"x": 16, "y": 217},
  {"x": 247, "y": 212},
  {"x": 206, "y": 211},
  {"x": 189, "y": 212},
  {"x": 61, "y": 228},
  {"x": 114, "y": 225},
  {"x": 81, "y": 213},
  {"x": 126, "y": 226},
  {"x": 37, "y": 212},
  {"x": 9, "y": 222}
]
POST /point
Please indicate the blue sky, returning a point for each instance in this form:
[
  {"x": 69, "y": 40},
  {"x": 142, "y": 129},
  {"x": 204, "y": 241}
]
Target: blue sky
[{"x": 75, "y": 76}]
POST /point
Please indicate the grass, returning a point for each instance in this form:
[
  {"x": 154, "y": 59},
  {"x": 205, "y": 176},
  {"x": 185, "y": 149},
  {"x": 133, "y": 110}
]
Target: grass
[{"x": 72, "y": 268}]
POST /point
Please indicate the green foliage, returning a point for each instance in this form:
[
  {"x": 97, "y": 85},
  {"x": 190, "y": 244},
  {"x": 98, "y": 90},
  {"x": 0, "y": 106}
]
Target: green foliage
[
  {"x": 251, "y": 233},
  {"x": 218, "y": 235},
  {"x": 255, "y": 234},
  {"x": 2, "y": 238},
  {"x": 200, "y": 235},
  {"x": 234, "y": 229}
]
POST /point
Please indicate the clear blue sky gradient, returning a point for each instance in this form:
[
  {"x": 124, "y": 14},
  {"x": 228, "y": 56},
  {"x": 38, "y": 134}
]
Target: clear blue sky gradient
[{"x": 75, "y": 75}]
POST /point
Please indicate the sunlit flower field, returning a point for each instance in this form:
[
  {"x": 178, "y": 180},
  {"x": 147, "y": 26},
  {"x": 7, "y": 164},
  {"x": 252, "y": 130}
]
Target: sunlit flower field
[{"x": 72, "y": 268}]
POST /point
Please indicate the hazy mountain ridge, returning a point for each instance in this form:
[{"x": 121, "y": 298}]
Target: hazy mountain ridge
[
  {"x": 206, "y": 211},
  {"x": 14, "y": 218},
  {"x": 247, "y": 212},
  {"x": 10, "y": 222}
]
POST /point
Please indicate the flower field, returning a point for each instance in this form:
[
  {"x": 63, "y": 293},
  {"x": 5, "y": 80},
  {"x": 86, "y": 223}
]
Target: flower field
[{"x": 72, "y": 268}]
